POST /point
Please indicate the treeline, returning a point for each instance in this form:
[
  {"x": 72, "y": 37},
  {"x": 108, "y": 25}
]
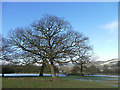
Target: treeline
[
  {"x": 23, "y": 69},
  {"x": 113, "y": 69},
  {"x": 91, "y": 70}
]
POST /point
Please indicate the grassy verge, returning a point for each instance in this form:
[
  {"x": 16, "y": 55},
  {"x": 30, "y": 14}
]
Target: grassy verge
[{"x": 46, "y": 82}]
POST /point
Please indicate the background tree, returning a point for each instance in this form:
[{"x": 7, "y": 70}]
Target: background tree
[
  {"x": 50, "y": 39},
  {"x": 92, "y": 70},
  {"x": 75, "y": 70},
  {"x": 6, "y": 69},
  {"x": 83, "y": 55}
]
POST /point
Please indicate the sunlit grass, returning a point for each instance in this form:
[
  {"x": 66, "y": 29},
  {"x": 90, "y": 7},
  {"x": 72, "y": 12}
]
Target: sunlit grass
[{"x": 46, "y": 82}]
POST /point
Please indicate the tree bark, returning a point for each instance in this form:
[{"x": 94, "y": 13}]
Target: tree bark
[
  {"x": 42, "y": 69},
  {"x": 53, "y": 71},
  {"x": 82, "y": 70}
]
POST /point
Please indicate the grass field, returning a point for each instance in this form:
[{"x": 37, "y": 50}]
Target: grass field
[{"x": 64, "y": 82}]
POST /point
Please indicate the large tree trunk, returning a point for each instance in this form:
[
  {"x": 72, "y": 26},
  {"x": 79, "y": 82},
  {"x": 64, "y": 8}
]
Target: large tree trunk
[
  {"x": 42, "y": 69},
  {"x": 2, "y": 74},
  {"x": 53, "y": 71},
  {"x": 82, "y": 70}
]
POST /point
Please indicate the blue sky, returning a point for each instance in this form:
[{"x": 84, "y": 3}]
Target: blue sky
[{"x": 97, "y": 20}]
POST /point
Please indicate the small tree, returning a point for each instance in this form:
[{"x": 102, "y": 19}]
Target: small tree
[{"x": 83, "y": 56}]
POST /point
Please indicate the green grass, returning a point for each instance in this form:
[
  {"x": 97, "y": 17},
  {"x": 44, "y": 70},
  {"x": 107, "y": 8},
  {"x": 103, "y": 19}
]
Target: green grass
[{"x": 46, "y": 82}]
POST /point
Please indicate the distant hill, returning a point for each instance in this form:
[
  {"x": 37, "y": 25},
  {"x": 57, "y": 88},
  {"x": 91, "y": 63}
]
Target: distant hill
[{"x": 108, "y": 62}]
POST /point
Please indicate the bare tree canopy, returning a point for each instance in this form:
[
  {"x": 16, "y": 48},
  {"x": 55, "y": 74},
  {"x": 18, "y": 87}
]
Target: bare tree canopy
[
  {"x": 5, "y": 50},
  {"x": 51, "y": 39}
]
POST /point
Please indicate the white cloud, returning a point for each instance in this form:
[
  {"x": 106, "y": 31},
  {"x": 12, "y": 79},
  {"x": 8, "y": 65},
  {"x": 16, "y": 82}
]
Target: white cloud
[{"x": 111, "y": 27}]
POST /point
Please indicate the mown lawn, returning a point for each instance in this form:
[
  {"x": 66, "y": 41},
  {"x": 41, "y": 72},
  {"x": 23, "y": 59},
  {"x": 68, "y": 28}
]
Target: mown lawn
[{"x": 46, "y": 82}]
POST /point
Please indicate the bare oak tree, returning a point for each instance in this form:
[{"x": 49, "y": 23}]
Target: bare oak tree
[{"x": 51, "y": 39}]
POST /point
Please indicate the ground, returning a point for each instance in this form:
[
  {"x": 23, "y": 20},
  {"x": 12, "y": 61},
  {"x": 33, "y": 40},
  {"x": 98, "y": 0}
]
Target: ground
[{"x": 64, "y": 82}]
